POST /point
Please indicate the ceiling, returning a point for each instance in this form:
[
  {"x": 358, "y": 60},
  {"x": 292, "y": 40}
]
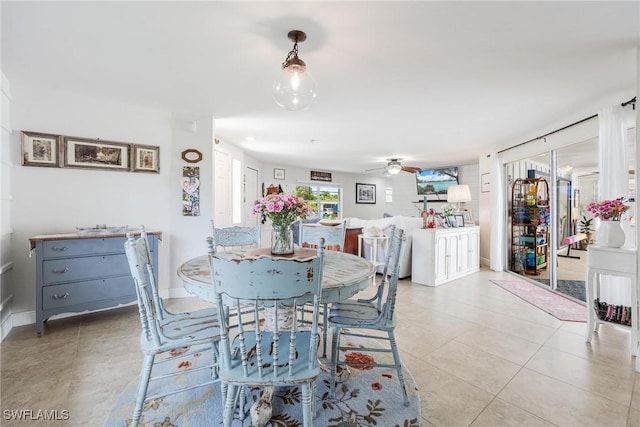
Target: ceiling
[{"x": 432, "y": 83}]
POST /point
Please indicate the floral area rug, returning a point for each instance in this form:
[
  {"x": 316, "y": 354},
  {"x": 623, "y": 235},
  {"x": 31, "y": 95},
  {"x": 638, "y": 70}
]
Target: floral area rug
[
  {"x": 556, "y": 305},
  {"x": 369, "y": 397}
]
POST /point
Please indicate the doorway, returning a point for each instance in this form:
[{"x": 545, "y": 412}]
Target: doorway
[{"x": 559, "y": 226}]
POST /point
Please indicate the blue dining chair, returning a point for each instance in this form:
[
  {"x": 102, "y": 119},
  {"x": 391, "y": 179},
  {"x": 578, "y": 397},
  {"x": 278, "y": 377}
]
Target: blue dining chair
[
  {"x": 164, "y": 333},
  {"x": 162, "y": 312},
  {"x": 233, "y": 238},
  {"x": 230, "y": 238},
  {"x": 355, "y": 317},
  {"x": 333, "y": 235},
  {"x": 265, "y": 357}
]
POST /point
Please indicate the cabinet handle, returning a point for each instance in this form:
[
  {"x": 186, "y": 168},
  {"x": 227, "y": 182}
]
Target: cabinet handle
[
  {"x": 63, "y": 296},
  {"x": 59, "y": 249},
  {"x": 64, "y": 270}
]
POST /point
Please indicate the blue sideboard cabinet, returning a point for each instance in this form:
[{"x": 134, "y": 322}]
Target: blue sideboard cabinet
[{"x": 77, "y": 273}]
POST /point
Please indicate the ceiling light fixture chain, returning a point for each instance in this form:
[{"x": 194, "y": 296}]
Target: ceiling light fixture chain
[{"x": 293, "y": 54}]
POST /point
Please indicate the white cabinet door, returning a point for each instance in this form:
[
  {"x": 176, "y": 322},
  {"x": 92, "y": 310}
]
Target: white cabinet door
[
  {"x": 441, "y": 257},
  {"x": 474, "y": 249},
  {"x": 453, "y": 253},
  {"x": 463, "y": 259}
]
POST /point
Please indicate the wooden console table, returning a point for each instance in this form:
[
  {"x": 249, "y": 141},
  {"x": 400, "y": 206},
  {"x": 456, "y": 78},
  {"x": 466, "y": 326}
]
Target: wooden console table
[{"x": 611, "y": 262}]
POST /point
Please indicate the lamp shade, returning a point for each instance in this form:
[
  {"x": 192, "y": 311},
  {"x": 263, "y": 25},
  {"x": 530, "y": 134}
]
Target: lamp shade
[{"x": 458, "y": 193}]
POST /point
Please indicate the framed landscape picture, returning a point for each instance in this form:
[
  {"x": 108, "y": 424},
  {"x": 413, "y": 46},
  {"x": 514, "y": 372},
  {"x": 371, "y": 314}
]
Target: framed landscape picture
[
  {"x": 95, "y": 154},
  {"x": 365, "y": 193},
  {"x": 40, "y": 149},
  {"x": 146, "y": 158}
]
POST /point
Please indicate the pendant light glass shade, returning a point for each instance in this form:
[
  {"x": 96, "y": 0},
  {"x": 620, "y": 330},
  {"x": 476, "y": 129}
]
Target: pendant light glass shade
[{"x": 295, "y": 88}]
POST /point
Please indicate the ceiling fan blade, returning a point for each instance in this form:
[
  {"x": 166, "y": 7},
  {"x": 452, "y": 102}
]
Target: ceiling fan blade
[
  {"x": 374, "y": 169},
  {"x": 411, "y": 169}
]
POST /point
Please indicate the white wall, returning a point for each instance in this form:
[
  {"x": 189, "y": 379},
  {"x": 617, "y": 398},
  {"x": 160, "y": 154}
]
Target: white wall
[
  {"x": 405, "y": 192},
  {"x": 184, "y": 237},
  {"x": 294, "y": 175},
  {"x": 53, "y": 200},
  {"x": 6, "y": 259}
]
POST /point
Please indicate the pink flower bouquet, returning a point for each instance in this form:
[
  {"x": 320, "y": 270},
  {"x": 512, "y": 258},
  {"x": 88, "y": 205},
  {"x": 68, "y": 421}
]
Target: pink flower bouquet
[
  {"x": 608, "y": 210},
  {"x": 282, "y": 210}
]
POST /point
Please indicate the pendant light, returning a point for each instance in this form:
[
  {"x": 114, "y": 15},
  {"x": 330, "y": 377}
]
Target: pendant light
[{"x": 295, "y": 88}]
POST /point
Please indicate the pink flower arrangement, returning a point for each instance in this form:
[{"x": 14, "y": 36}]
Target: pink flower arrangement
[
  {"x": 608, "y": 210},
  {"x": 282, "y": 210}
]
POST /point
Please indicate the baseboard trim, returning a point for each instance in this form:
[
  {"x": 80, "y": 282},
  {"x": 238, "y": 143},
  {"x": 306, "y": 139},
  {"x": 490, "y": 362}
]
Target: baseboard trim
[
  {"x": 6, "y": 323},
  {"x": 23, "y": 318},
  {"x": 175, "y": 293}
]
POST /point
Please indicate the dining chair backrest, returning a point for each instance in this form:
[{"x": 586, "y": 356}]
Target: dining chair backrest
[
  {"x": 333, "y": 235},
  {"x": 235, "y": 237},
  {"x": 273, "y": 284},
  {"x": 137, "y": 252},
  {"x": 390, "y": 273}
]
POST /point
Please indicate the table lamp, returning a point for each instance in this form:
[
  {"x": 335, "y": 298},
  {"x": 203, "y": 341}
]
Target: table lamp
[{"x": 458, "y": 194}]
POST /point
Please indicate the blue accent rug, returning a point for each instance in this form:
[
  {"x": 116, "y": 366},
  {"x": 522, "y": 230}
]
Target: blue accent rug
[{"x": 368, "y": 398}]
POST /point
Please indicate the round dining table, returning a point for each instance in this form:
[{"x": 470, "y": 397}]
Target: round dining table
[{"x": 343, "y": 274}]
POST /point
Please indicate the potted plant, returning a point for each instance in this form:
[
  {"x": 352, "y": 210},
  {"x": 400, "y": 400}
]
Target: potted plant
[{"x": 584, "y": 226}]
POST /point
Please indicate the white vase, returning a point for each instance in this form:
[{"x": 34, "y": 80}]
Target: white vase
[{"x": 609, "y": 234}]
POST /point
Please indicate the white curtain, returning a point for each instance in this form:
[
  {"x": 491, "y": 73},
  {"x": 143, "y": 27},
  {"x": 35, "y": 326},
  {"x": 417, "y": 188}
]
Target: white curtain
[
  {"x": 497, "y": 213},
  {"x": 614, "y": 183}
]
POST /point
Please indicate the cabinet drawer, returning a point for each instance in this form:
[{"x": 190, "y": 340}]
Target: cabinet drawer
[
  {"x": 69, "y": 248},
  {"x": 82, "y": 268},
  {"x": 70, "y": 294}
]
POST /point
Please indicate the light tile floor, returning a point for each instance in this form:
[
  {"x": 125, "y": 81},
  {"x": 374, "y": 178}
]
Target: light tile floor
[{"x": 479, "y": 355}]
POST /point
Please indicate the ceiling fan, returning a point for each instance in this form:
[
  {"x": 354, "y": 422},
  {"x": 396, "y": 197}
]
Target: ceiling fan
[{"x": 394, "y": 167}]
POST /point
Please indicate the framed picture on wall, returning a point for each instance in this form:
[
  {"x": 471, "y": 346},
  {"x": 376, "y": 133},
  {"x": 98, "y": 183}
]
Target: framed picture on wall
[
  {"x": 95, "y": 154},
  {"x": 365, "y": 193},
  {"x": 278, "y": 173},
  {"x": 40, "y": 149},
  {"x": 485, "y": 183},
  {"x": 146, "y": 158}
]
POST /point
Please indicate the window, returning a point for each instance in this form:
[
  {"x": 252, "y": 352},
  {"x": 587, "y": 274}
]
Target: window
[
  {"x": 388, "y": 194},
  {"x": 325, "y": 200}
]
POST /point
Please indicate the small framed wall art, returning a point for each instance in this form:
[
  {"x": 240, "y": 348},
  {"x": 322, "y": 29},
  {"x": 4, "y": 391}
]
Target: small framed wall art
[
  {"x": 485, "y": 183},
  {"x": 146, "y": 158},
  {"x": 191, "y": 155},
  {"x": 365, "y": 193},
  {"x": 278, "y": 173},
  {"x": 95, "y": 154},
  {"x": 40, "y": 149}
]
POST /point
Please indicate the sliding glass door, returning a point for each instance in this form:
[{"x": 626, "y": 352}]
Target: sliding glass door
[{"x": 558, "y": 229}]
